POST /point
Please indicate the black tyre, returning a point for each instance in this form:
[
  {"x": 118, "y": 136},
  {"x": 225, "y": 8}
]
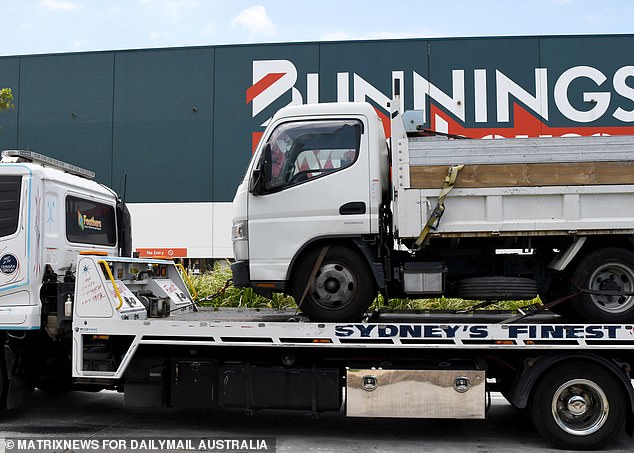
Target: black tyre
[
  {"x": 496, "y": 288},
  {"x": 578, "y": 406},
  {"x": 4, "y": 382},
  {"x": 54, "y": 370},
  {"x": 607, "y": 269},
  {"x": 342, "y": 289}
]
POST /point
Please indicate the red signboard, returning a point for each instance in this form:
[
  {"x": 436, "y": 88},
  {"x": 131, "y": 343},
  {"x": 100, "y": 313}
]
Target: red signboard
[{"x": 163, "y": 253}]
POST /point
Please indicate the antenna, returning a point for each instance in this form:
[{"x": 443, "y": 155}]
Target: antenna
[
  {"x": 125, "y": 188},
  {"x": 123, "y": 233}
]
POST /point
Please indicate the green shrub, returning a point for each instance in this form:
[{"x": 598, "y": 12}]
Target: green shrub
[{"x": 210, "y": 283}]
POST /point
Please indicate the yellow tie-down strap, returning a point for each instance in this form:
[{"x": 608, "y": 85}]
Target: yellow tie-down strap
[
  {"x": 439, "y": 210},
  {"x": 114, "y": 284},
  {"x": 185, "y": 276}
]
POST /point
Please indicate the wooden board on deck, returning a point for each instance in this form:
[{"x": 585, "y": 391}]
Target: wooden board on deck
[{"x": 525, "y": 175}]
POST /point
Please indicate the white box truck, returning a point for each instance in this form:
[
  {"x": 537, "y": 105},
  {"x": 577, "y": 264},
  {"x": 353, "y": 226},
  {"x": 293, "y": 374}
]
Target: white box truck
[{"x": 331, "y": 213}]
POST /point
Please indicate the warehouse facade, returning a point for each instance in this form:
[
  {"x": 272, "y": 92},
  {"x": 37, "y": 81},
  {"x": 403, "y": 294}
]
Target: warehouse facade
[{"x": 181, "y": 123}]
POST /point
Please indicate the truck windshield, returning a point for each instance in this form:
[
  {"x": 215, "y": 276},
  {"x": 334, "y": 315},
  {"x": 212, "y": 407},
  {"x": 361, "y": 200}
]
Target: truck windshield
[{"x": 300, "y": 151}]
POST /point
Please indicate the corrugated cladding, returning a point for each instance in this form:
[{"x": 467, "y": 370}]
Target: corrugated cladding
[{"x": 180, "y": 121}]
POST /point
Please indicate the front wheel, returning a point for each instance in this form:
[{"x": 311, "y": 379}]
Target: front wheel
[
  {"x": 578, "y": 406},
  {"x": 4, "y": 382},
  {"x": 605, "y": 270},
  {"x": 342, "y": 287}
]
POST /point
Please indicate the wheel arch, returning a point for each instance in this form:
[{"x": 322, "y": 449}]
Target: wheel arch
[
  {"x": 570, "y": 278},
  {"x": 4, "y": 381},
  {"x": 533, "y": 372},
  {"x": 594, "y": 243},
  {"x": 356, "y": 243}
]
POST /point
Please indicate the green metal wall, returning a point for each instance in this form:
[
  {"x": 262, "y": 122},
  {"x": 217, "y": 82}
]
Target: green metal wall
[{"x": 179, "y": 122}]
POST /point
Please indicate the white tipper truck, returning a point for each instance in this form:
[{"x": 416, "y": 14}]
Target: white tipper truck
[
  {"x": 331, "y": 213},
  {"x": 76, "y": 313}
]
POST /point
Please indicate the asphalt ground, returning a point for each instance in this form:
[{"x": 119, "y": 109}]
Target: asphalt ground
[{"x": 102, "y": 415}]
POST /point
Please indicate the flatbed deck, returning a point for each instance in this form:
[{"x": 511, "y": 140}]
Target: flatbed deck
[
  {"x": 414, "y": 330},
  {"x": 267, "y": 328},
  {"x": 288, "y": 315}
]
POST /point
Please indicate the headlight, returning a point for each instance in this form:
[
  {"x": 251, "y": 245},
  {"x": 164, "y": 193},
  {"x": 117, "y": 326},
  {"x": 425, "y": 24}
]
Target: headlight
[{"x": 239, "y": 231}]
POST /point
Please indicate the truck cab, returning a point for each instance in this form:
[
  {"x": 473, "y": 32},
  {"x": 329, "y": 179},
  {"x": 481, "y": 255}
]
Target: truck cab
[
  {"x": 52, "y": 211},
  {"x": 313, "y": 179}
]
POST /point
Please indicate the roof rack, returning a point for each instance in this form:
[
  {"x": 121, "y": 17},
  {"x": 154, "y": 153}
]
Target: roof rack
[{"x": 37, "y": 158}]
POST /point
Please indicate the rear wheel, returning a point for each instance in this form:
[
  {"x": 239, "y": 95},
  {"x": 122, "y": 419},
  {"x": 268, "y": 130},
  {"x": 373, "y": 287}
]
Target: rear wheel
[
  {"x": 342, "y": 288},
  {"x": 578, "y": 405},
  {"x": 609, "y": 269}
]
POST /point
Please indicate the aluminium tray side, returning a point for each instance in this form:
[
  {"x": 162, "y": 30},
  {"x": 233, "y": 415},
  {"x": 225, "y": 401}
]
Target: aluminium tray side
[{"x": 517, "y": 187}]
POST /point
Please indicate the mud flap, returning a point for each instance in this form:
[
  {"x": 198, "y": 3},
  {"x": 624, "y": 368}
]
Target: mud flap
[{"x": 19, "y": 389}]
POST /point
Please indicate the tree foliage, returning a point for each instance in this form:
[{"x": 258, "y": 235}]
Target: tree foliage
[{"x": 6, "y": 99}]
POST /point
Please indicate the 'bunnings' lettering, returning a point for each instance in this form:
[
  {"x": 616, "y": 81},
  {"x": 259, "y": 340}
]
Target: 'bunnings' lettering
[{"x": 613, "y": 96}]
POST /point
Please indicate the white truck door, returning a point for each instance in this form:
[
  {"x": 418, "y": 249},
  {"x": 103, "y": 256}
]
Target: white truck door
[
  {"x": 18, "y": 240},
  {"x": 311, "y": 181}
]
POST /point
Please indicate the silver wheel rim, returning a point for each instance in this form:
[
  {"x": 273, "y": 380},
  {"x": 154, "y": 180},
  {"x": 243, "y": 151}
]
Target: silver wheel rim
[
  {"x": 580, "y": 407},
  {"x": 613, "y": 277},
  {"x": 334, "y": 286}
]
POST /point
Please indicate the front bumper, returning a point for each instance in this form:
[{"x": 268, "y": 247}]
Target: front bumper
[
  {"x": 240, "y": 271},
  {"x": 242, "y": 279}
]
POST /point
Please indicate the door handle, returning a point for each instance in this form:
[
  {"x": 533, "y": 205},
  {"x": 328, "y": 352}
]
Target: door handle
[{"x": 354, "y": 207}]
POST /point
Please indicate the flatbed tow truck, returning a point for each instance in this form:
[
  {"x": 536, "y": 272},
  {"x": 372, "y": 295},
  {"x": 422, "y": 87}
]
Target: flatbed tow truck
[
  {"x": 77, "y": 314},
  {"x": 573, "y": 378}
]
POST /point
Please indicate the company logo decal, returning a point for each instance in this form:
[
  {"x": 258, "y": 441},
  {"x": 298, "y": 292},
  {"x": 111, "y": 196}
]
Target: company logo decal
[
  {"x": 8, "y": 264},
  {"x": 87, "y": 223},
  {"x": 437, "y": 331}
]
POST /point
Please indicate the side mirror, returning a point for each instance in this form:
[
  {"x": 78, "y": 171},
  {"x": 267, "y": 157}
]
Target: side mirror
[{"x": 256, "y": 183}]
